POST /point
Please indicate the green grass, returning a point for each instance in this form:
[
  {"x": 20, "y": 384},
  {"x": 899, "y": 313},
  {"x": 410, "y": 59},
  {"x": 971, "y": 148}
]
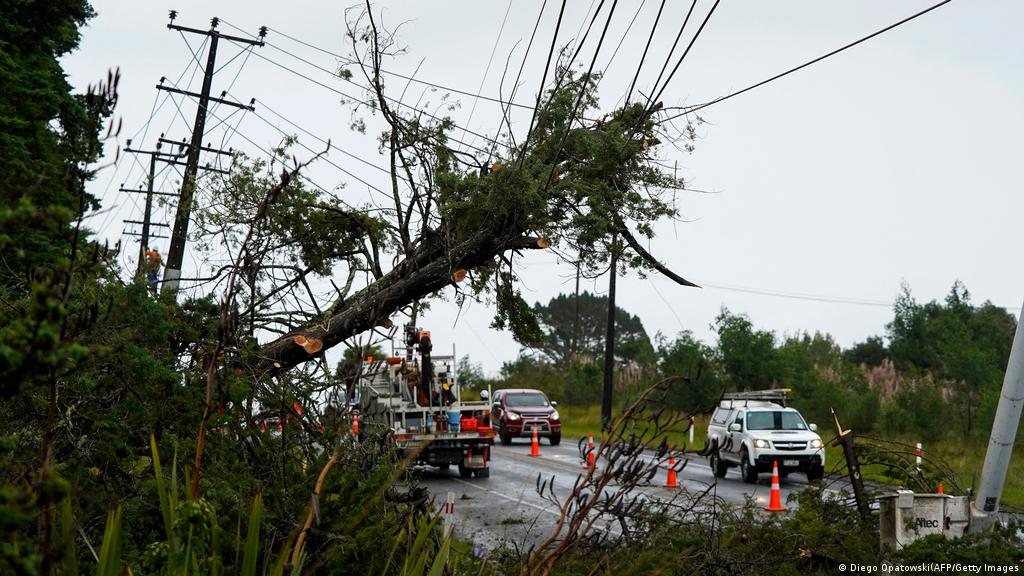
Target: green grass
[
  {"x": 578, "y": 421},
  {"x": 964, "y": 458}
]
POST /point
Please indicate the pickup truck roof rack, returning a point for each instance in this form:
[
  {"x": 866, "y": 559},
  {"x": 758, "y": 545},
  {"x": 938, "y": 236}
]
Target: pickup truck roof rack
[{"x": 777, "y": 396}]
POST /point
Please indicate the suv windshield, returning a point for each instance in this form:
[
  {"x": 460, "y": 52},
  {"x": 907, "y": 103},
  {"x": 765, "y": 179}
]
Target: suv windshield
[
  {"x": 526, "y": 399},
  {"x": 777, "y": 420}
]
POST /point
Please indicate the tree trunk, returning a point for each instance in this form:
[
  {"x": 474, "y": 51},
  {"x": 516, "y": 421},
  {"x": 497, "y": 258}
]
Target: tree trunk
[{"x": 426, "y": 271}]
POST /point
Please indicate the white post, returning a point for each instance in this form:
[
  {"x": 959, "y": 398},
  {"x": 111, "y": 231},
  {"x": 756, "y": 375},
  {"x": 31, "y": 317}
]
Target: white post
[
  {"x": 917, "y": 455},
  {"x": 448, "y": 513},
  {"x": 691, "y": 430}
]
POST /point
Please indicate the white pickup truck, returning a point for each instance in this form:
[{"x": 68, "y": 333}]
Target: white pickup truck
[{"x": 752, "y": 430}]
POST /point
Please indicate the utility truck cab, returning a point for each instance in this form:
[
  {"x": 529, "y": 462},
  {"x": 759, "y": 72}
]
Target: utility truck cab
[{"x": 752, "y": 430}]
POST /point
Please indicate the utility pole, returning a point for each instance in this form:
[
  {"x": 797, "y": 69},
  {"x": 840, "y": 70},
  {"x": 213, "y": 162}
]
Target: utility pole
[
  {"x": 176, "y": 254},
  {"x": 574, "y": 347},
  {"x": 1004, "y": 432},
  {"x": 609, "y": 345},
  {"x": 147, "y": 215}
]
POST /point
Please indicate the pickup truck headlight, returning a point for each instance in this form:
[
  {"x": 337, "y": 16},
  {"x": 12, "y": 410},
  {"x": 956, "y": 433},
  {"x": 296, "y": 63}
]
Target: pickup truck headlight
[
  {"x": 816, "y": 443},
  {"x": 513, "y": 416},
  {"x": 554, "y": 415},
  {"x": 761, "y": 444}
]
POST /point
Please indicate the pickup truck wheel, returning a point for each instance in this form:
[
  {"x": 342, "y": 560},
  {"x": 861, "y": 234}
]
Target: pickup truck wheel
[
  {"x": 719, "y": 467},
  {"x": 465, "y": 472},
  {"x": 482, "y": 472},
  {"x": 555, "y": 439},
  {"x": 506, "y": 439},
  {"x": 443, "y": 467},
  {"x": 748, "y": 472},
  {"x": 815, "y": 473}
]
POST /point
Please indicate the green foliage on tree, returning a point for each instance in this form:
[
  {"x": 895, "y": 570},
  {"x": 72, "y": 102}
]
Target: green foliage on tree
[
  {"x": 687, "y": 356},
  {"x": 748, "y": 356},
  {"x": 470, "y": 374},
  {"x": 871, "y": 352},
  {"x": 814, "y": 368},
  {"x": 570, "y": 337},
  {"x": 965, "y": 347}
]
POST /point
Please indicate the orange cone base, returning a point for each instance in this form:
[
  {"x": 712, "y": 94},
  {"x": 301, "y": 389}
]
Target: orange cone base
[
  {"x": 671, "y": 481},
  {"x": 775, "y": 501},
  {"x": 775, "y": 504},
  {"x": 535, "y": 446}
]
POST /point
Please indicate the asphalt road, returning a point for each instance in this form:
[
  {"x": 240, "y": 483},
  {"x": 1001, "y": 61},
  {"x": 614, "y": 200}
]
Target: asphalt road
[{"x": 506, "y": 507}]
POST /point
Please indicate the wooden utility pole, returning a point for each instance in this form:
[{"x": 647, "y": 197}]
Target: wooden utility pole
[
  {"x": 147, "y": 215},
  {"x": 179, "y": 234},
  {"x": 609, "y": 345},
  {"x": 844, "y": 438},
  {"x": 575, "y": 344}
]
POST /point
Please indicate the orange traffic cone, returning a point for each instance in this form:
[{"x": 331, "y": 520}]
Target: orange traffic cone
[
  {"x": 775, "y": 502},
  {"x": 940, "y": 488},
  {"x": 591, "y": 459},
  {"x": 671, "y": 482},
  {"x": 535, "y": 446}
]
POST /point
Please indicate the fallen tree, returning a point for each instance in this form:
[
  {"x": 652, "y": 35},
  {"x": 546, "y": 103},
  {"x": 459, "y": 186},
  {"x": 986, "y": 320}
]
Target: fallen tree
[{"x": 452, "y": 217}]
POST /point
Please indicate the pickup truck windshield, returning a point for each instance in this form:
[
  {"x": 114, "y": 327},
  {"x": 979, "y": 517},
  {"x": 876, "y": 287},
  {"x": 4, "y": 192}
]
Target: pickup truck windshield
[
  {"x": 775, "y": 421},
  {"x": 526, "y": 399}
]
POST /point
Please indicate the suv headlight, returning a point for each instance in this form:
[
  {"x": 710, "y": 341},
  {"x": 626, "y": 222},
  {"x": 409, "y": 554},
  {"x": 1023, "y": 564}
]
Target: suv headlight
[
  {"x": 513, "y": 416},
  {"x": 761, "y": 444},
  {"x": 816, "y": 443},
  {"x": 553, "y": 415}
]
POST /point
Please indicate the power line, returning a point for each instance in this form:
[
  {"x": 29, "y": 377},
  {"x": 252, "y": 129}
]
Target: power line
[
  {"x": 350, "y": 61},
  {"x": 583, "y": 89},
  {"x": 311, "y": 151},
  {"x": 543, "y": 81},
  {"x": 687, "y": 51},
  {"x": 335, "y": 76},
  {"x": 144, "y": 129},
  {"x": 515, "y": 85},
  {"x": 487, "y": 70},
  {"x": 695, "y": 108},
  {"x": 671, "y": 51},
  {"x": 640, "y": 65},
  {"x": 361, "y": 101},
  {"x": 325, "y": 142}
]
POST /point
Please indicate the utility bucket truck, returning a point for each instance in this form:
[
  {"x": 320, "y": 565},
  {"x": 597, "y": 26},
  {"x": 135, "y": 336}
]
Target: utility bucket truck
[{"x": 416, "y": 398}]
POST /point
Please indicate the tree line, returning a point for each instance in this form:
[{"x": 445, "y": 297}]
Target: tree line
[{"x": 936, "y": 371}]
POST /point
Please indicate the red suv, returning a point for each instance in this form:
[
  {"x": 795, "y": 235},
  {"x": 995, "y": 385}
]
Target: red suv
[{"x": 516, "y": 412}]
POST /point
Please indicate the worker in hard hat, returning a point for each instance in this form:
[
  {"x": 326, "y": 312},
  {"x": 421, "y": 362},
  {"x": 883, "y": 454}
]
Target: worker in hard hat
[{"x": 151, "y": 266}]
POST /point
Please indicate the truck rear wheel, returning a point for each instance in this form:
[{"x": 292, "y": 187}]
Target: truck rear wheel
[
  {"x": 748, "y": 472},
  {"x": 482, "y": 472},
  {"x": 465, "y": 472}
]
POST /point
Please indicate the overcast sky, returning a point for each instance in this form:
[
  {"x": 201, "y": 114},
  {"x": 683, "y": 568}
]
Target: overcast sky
[{"x": 896, "y": 161}]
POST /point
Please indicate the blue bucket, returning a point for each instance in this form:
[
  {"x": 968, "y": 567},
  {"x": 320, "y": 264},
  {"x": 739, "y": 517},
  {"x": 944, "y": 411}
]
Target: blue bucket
[{"x": 454, "y": 419}]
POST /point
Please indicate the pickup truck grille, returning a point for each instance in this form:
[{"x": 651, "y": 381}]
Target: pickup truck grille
[{"x": 790, "y": 445}]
